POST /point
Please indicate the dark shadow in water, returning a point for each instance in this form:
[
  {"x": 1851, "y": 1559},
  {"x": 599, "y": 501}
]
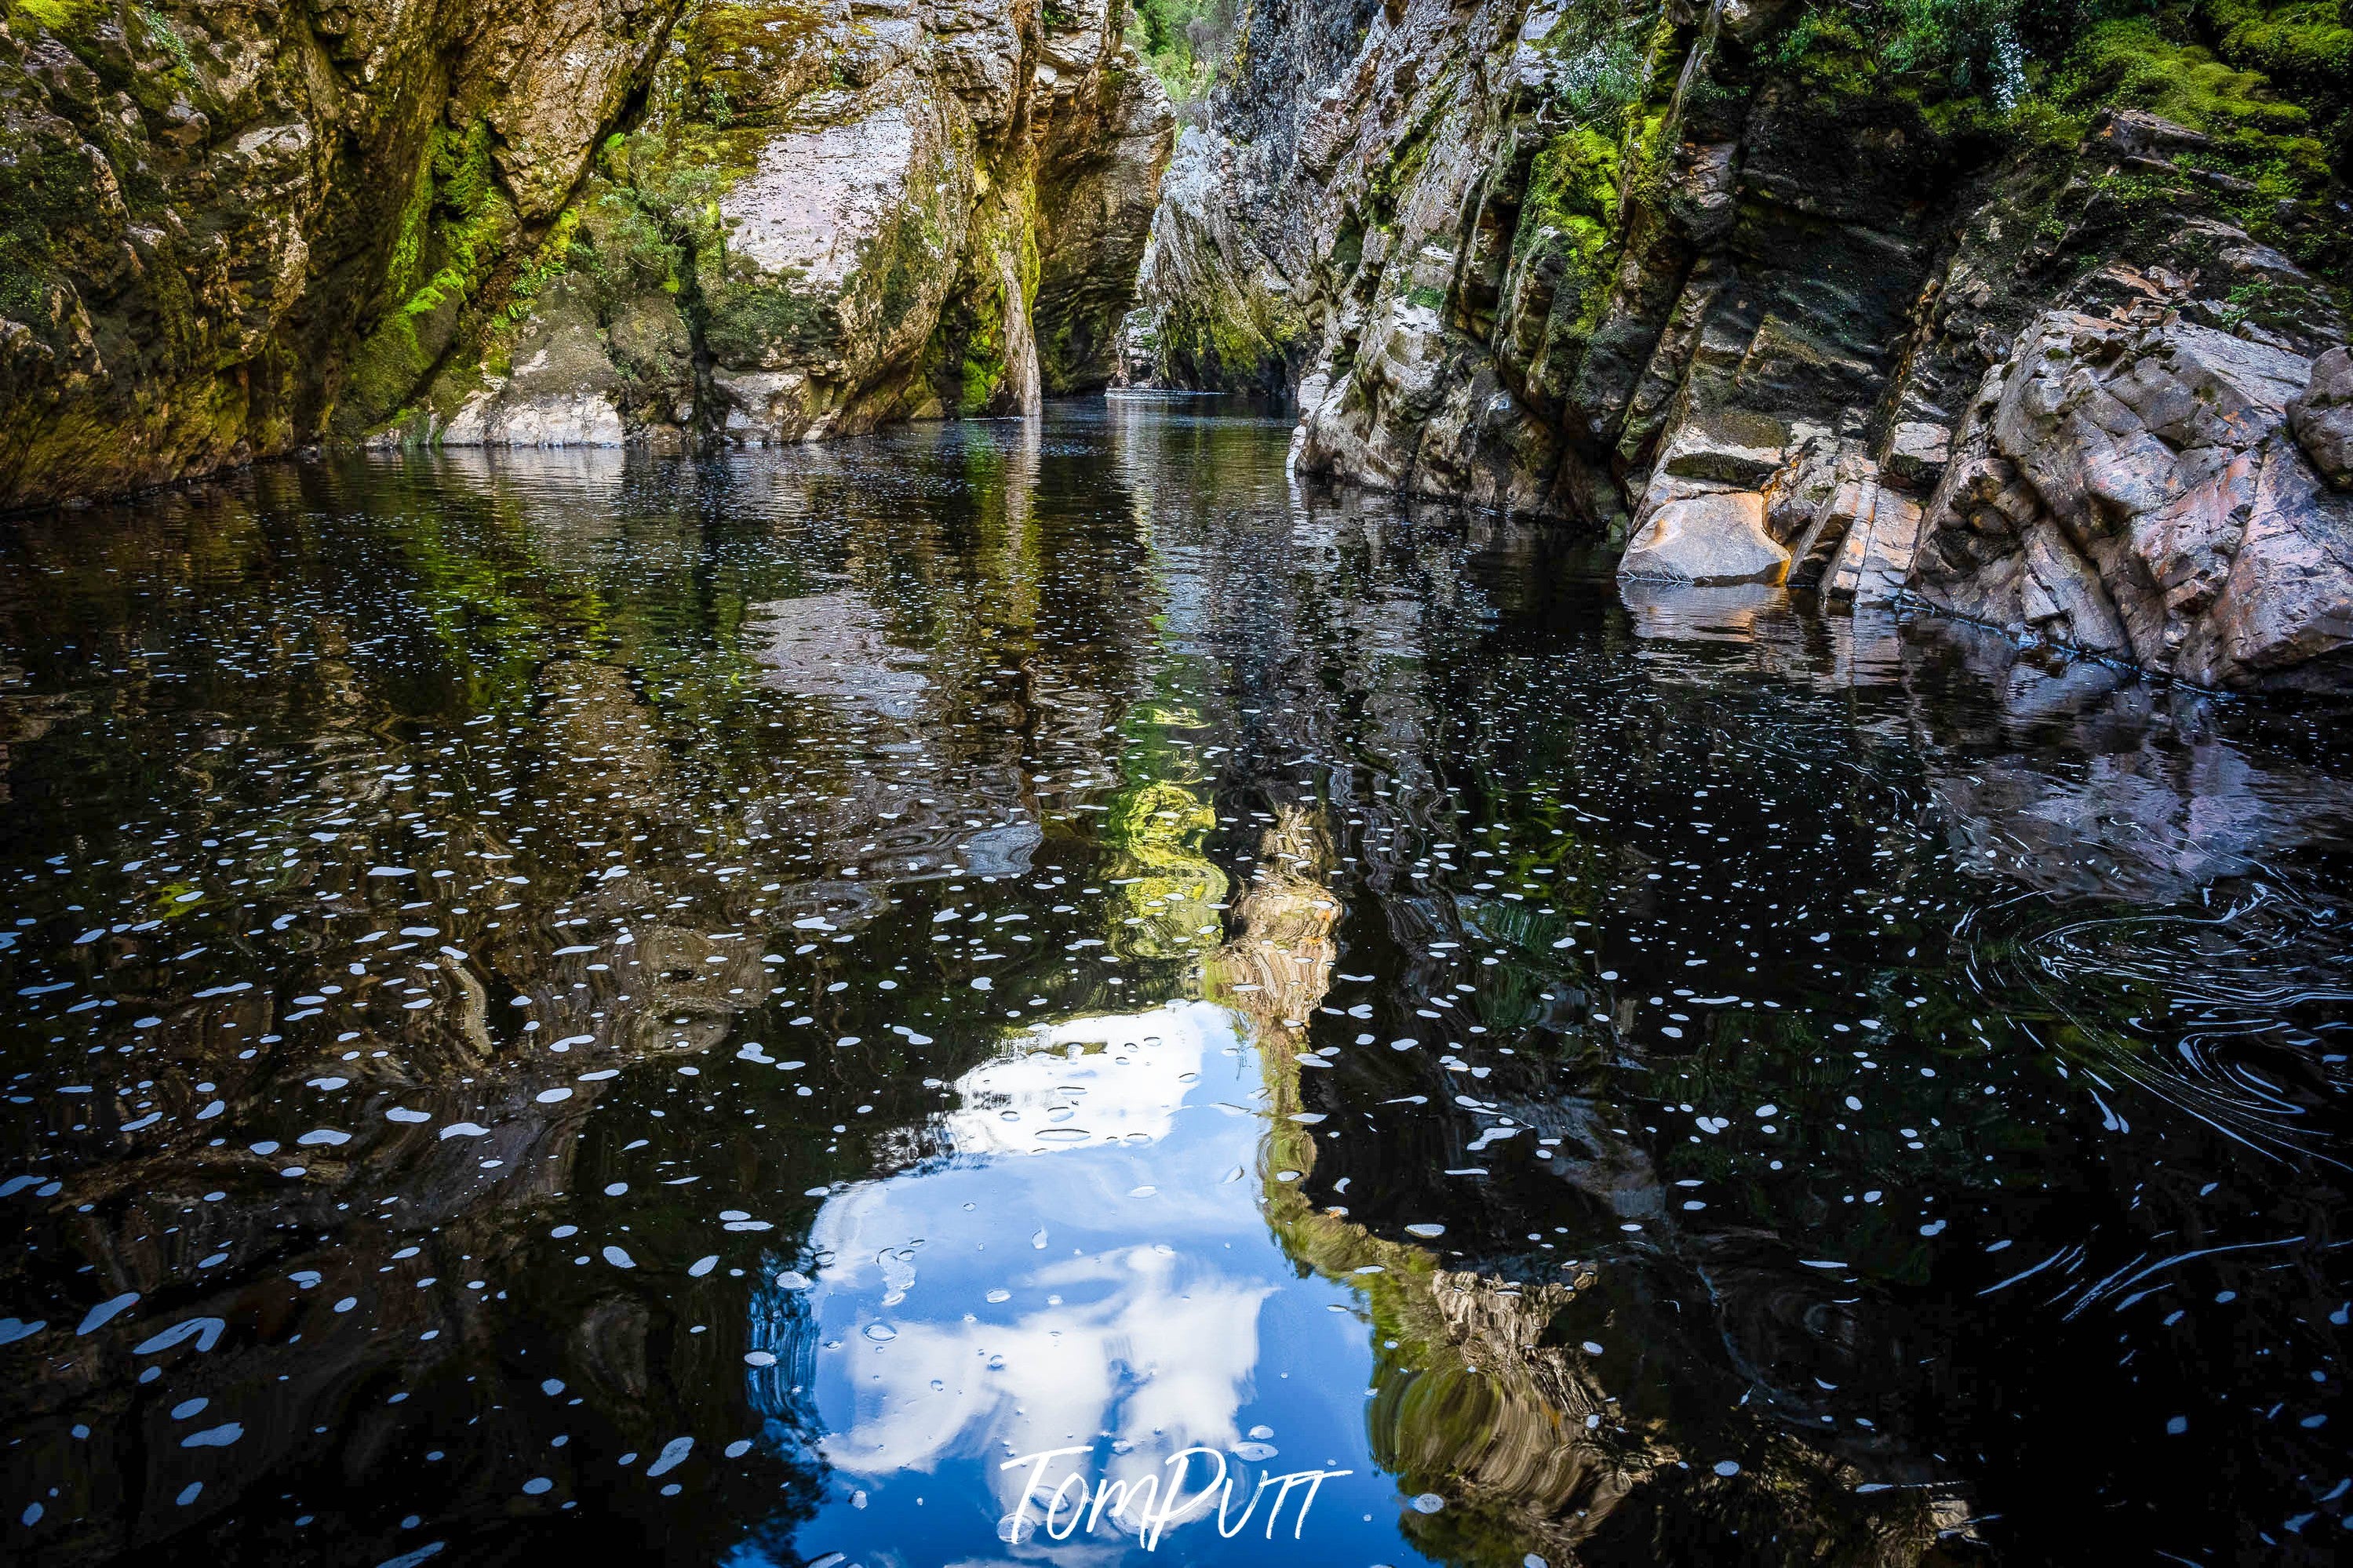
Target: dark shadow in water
[{"x": 520, "y": 961}]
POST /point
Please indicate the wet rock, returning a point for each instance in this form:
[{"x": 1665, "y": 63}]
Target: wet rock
[{"x": 1708, "y": 539}]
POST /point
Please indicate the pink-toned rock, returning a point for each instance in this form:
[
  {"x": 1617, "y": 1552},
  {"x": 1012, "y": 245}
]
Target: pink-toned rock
[
  {"x": 2323, "y": 418},
  {"x": 2157, "y": 490}
]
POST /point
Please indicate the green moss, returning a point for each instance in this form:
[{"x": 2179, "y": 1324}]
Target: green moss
[
  {"x": 744, "y": 61},
  {"x": 57, "y": 15},
  {"x": 2305, "y": 46},
  {"x": 968, "y": 352},
  {"x": 1568, "y": 223},
  {"x": 2131, "y": 63},
  {"x": 2259, "y": 135},
  {"x": 454, "y": 229},
  {"x": 553, "y": 258},
  {"x": 1572, "y": 183}
]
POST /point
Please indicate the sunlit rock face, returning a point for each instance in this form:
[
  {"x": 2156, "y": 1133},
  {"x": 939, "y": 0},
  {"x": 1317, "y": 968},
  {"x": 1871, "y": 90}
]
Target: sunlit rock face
[
  {"x": 1704, "y": 280},
  {"x": 651, "y": 221},
  {"x": 835, "y": 215},
  {"x": 2134, "y": 490}
]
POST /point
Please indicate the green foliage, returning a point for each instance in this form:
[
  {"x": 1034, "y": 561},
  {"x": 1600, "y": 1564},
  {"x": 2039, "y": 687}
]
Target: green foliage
[
  {"x": 2305, "y": 46},
  {"x": 2249, "y": 301},
  {"x": 2258, "y": 134},
  {"x": 1938, "y": 49},
  {"x": 1599, "y": 72},
  {"x": 1183, "y": 41},
  {"x": 2131, "y": 63},
  {"x": 2270, "y": 81}
]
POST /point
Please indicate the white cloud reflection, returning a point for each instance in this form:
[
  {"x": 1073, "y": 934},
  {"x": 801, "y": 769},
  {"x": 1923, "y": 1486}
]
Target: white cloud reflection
[{"x": 1130, "y": 1317}]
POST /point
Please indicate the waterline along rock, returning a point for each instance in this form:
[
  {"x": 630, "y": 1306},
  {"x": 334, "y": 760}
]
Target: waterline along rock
[
  {"x": 232, "y": 231},
  {"x": 1885, "y": 303}
]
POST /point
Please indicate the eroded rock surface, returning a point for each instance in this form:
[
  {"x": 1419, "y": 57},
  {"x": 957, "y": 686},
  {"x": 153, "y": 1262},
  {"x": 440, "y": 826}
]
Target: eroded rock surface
[
  {"x": 2159, "y": 508},
  {"x": 1640, "y": 266},
  {"x": 233, "y": 230}
]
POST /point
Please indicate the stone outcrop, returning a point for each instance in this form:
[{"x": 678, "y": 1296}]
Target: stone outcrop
[
  {"x": 1719, "y": 279},
  {"x": 2322, "y": 417},
  {"x": 1711, "y": 537},
  {"x": 2131, "y": 488},
  {"x": 231, "y": 231}
]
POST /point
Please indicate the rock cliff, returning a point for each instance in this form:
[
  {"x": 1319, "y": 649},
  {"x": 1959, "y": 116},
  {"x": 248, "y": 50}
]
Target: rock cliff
[
  {"x": 2028, "y": 317},
  {"x": 226, "y": 232}
]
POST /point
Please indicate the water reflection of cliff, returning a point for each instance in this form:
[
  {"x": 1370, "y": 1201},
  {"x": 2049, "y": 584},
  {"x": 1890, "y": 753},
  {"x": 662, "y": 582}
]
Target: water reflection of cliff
[
  {"x": 384, "y": 823},
  {"x": 1505, "y": 789},
  {"x": 2064, "y": 775},
  {"x": 1485, "y": 1394},
  {"x": 499, "y": 777}
]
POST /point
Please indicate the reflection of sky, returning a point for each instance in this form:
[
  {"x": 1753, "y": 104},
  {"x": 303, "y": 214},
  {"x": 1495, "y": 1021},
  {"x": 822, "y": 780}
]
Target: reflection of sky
[{"x": 1105, "y": 1185}]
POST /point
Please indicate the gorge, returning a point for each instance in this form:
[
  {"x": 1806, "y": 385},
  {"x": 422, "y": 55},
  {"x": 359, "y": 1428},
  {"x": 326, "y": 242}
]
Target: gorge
[
  {"x": 1488, "y": 783},
  {"x": 2033, "y": 318}
]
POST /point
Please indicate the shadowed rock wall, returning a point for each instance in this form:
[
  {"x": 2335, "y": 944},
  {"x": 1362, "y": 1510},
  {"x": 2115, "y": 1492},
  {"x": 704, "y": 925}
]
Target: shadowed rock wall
[
  {"x": 226, "y": 232},
  {"x": 1772, "y": 290}
]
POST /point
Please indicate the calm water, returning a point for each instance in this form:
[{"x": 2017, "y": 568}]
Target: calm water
[{"x": 852, "y": 1006}]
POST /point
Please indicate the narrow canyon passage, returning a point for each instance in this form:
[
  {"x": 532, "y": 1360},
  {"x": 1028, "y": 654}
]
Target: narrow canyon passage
[{"x": 923, "y": 1000}]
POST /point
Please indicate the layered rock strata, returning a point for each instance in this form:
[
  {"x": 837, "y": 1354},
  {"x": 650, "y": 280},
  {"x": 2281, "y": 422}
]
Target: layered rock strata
[
  {"x": 1718, "y": 277},
  {"x": 226, "y": 232}
]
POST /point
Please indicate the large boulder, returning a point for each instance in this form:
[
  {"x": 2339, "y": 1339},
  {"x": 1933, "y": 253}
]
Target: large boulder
[
  {"x": 1714, "y": 538},
  {"x": 2323, "y": 418}
]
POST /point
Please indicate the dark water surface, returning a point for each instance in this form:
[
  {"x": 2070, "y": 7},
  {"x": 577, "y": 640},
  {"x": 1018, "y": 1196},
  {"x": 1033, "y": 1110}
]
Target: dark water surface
[{"x": 709, "y": 1013}]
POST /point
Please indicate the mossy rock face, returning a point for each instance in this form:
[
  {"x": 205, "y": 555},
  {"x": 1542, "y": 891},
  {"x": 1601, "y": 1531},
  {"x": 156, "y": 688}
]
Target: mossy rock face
[
  {"x": 199, "y": 263},
  {"x": 840, "y": 242},
  {"x": 1600, "y": 227},
  {"x": 846, "y": 222}
]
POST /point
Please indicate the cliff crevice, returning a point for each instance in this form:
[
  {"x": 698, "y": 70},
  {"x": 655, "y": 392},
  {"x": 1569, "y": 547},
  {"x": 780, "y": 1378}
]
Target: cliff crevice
[{"x": 1741, "y": 282}]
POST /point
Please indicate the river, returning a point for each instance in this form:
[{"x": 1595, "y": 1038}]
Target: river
[{"x": 984, "y": 993}]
